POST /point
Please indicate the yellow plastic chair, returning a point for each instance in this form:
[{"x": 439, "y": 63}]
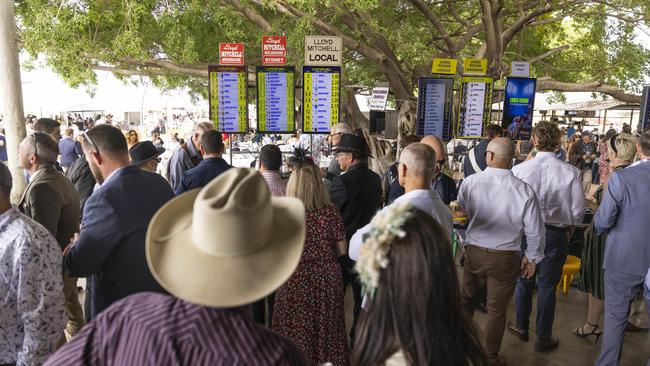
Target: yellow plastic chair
[{"x": 571, "y": 267}]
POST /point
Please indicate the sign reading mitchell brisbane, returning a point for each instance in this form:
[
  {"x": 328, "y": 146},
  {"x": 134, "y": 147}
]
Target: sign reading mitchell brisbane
[{"x": 275, "y": 99}]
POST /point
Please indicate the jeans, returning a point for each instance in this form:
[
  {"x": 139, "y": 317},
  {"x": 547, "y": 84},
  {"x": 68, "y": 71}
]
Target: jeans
[{"x": 548, "y": 274}]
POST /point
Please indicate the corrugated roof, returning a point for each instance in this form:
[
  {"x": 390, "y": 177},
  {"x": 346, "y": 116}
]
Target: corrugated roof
[{"x": 590, "y": 105}]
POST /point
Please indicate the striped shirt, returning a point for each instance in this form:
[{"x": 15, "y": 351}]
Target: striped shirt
[
  {"x": 277, "y": 185},
  {"x": 158, "y": 329}
]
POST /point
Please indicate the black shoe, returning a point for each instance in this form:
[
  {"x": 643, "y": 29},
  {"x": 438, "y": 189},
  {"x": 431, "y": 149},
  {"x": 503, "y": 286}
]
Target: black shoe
[
  {"x": 631, "y": 328},
  {"x": 546, "y": 345},
  {"x": 521, "y": 334}
]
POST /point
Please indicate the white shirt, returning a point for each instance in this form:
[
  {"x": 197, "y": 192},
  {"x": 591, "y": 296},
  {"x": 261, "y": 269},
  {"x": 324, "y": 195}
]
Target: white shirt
[
  {"x": 558, "y": 186},
  {"x": 427, "y": 200},
  {"x": 500, "y": 210},
  {"x": 32, "y": 314}
]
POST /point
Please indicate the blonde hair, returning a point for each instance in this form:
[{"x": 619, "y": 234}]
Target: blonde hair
[
  {"x": 306, "y": 184},
  {"x": 625, "y": 147},
  {"x": 132, "y": 137}
]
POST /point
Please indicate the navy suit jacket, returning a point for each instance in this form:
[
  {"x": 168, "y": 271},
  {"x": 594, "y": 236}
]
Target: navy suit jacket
[
  {"x": 624, "y": 215},
  {"x": 69, "y": 150},
  {"x": 202, "y": 174},
  {"x": 111, "y": 242}
]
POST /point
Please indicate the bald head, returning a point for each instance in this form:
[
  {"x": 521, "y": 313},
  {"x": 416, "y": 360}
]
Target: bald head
[
  {"x": 437, "y": 145},
  {"x": 500, "y": 153},
  {"x": 418, "y": 165}
]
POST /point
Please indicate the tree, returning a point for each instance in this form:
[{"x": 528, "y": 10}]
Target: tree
[{"x": 574, "y": 45}]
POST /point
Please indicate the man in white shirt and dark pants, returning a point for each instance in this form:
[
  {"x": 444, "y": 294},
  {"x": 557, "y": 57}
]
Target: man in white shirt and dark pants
[
  {"x": 558, "y": 187},
  {"x": 500, "y": 210},
  {"x": 417, "y": 167}
]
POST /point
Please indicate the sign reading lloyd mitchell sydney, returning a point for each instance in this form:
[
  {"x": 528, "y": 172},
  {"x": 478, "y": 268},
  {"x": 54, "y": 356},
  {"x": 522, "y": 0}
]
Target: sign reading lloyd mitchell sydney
[{"x": 323, "y": 51}]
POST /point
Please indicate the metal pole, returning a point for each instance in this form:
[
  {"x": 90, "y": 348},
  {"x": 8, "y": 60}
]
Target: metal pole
[
  {"x": 230, "y": 143},
  {"x": 11, "y": 95}
]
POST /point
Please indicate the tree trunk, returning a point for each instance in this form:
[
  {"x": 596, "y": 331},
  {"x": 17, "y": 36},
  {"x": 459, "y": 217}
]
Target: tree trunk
[
  {"x": 11, "y": 95},
  {"x": 352, "y": 113},
  {"x": 406, "y": 121}
]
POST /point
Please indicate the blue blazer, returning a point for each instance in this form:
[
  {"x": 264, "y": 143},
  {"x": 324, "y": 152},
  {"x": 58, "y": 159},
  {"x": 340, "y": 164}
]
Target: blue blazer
[
  {"x": 70, "y": 151},
  {"x": 624, "y": 215},
  {"x": 111, "y": 241},
  {"x": 202, "y": 174}
]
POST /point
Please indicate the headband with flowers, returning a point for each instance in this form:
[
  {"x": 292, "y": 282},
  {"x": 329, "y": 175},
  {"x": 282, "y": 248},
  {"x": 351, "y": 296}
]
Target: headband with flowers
[{"x": 386, "y": 227}]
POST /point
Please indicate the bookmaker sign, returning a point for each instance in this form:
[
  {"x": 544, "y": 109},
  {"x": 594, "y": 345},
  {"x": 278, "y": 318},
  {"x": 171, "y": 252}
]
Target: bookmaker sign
[
  {"x": 323, "y": 51},
  {"x": 231, "y": 54}
]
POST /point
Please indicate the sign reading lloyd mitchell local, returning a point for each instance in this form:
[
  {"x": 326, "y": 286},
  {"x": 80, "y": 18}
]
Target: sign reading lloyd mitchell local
[{"x": 323, "y": 51}]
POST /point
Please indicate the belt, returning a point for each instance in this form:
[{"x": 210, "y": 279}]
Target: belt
[
  {"x": 552, "y": 227},
  {"x": 495, "y": 251}
]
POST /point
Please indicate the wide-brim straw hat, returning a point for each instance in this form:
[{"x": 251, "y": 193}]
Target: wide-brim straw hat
[{"x": 227, "y": 244}]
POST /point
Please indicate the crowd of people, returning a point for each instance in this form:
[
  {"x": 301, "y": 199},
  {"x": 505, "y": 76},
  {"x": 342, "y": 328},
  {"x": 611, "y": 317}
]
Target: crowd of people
[{"x": 213, "y": 264}]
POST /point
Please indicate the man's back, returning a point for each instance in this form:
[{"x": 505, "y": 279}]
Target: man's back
[
  {"x": 357, "y": 194},
  {"x": 624, "y": 215},
  {"x": 53, "y": 202},
  {"x": 558, "y": 187},
  {"x": 69, "y": 149},
  {"x": 202, "y": 174},
  {"x": 82, "y": 178},
  {"x": 111, "y": 243},
  {"x": 157, "y": 329},
  {"x": 476, "y": 156}
]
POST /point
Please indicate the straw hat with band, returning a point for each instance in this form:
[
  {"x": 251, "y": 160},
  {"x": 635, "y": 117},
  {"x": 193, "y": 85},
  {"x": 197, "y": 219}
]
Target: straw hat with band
[{"x": 227, "y": 244}]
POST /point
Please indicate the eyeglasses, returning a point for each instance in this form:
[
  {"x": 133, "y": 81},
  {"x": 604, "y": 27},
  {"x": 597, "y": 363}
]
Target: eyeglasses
[
  {"x": 87, "y": 137},
  {"x": 441, "y": 161}
]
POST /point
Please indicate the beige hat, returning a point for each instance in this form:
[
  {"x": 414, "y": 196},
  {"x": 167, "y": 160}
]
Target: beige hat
[{"x": 227, "y": 244}]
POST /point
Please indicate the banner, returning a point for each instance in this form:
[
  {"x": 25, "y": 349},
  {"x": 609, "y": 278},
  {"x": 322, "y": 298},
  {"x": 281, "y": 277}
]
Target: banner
[
  {"x": 320, "y": 98},
  {"x": 435, "y": 100},
  {"x": 227, "y": 98},
  {"x": 518, "y": 106},
  {"x": 475, "y": 106},
  {"x": 379, "y": 98},
  {"x": 275, "y": 99},
  {"x": 231, "y": 54},
  {"x": 274, "y": 50},
  {"x": 323, "y": 51}
]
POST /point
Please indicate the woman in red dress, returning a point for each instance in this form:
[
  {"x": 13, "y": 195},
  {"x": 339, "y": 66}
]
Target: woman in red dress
[{"x": 309, "y": 306}]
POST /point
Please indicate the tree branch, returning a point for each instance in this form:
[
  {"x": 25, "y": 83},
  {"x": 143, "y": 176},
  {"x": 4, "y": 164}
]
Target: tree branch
[
  {"x": 249, "y": 13},
  {"x": 435, "y": 21},
  {"x": 589, "y": 86}
]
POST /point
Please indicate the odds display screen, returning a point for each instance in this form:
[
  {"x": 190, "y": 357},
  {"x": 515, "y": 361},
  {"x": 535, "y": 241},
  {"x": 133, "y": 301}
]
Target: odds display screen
[
  {"x": 275, "y": 99},
  {"x": 435, "y": 96},
  {"x": 475, "y": 106},
  {"x": 320, "y": 98},
  {"x": 227, "y": 98}
]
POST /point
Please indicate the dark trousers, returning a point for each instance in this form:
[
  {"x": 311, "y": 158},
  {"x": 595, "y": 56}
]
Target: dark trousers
[
  {"x": 549, "y": 273},
  {"x": 351, "y": 278}
]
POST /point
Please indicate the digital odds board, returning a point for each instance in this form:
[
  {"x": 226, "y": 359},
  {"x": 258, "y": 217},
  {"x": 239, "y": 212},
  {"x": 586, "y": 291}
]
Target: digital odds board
[
  {"x": 275, "y": 99},
  {"x": 227, "y": 98},
  {"x": 320, "y": 98},
  {"x": 435, "y": 98},
  {"x": 518, "y": 106},
  {"x": 475, "y": 106}
]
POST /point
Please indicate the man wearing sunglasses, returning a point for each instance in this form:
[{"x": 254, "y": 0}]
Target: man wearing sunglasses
[{"x": 52, "y": 201}]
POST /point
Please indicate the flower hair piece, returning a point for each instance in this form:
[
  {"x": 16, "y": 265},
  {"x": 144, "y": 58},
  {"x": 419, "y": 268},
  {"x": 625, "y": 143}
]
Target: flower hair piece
[
  {"x": 300, "y": 157},
  {"x": 386, "y": 227}
]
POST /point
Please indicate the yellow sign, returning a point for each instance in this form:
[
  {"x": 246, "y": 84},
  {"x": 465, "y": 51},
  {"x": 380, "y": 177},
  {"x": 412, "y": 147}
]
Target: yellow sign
[
  {"x": 475, "y": 66},
  {"x": 444, "y": 66}
]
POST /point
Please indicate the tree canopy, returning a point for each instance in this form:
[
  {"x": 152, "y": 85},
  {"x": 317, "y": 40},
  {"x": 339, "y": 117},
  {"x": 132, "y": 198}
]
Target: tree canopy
[{"x": 574, "y": 45}]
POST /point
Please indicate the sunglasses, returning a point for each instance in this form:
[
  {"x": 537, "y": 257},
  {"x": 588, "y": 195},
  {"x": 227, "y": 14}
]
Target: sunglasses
[{"x": 87, "y": 137}]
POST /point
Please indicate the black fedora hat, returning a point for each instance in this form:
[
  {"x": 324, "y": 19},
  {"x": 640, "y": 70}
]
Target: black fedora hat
[
  {"x": 353, "y": 144},
  {"x": 144, "y": 151}
]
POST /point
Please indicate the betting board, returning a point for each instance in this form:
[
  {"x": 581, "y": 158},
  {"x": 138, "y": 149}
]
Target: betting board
[
  {"x": 227, "y": 98},
  {"x": 644, "y": 115},
  {"x": 275, "y": 99},
  {"x": 320, "y": 98},
  {"x": 435, "y": 98},
  {"x": 475, "y": 106}
]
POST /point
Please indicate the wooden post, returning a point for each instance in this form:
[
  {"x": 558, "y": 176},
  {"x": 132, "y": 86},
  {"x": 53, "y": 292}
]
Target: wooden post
[{"x": 11, "y": 95}]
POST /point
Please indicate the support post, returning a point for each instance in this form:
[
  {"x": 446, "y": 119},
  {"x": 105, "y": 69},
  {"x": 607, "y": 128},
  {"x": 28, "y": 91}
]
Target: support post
[{"x": 11, "y": 95}]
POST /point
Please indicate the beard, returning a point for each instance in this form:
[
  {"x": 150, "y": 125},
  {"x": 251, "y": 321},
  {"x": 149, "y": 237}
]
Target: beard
[{"x": 97, "y": 174}]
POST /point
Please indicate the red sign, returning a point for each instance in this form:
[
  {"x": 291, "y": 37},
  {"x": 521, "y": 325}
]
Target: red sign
[
  {"x": 231, "y": 53},
  {"x": 274, "y": 50}
]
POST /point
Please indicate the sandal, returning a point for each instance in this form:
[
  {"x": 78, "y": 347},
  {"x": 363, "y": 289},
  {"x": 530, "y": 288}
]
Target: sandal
[{"x": 580, "y": 332}]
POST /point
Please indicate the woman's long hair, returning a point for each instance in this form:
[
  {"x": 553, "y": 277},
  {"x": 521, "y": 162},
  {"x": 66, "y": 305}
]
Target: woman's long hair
[{"x": 416, "y": 307}]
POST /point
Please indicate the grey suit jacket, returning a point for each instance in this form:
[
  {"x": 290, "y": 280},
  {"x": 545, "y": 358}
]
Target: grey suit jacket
[
  {"x": 624, "y": 215},
  {"x": 52, "y": 201}
]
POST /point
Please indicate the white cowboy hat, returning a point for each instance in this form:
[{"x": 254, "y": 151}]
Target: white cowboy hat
[{"x": 227, "y": 244}]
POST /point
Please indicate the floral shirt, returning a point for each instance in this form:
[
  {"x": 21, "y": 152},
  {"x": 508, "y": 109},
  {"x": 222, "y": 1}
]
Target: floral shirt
[{"x": 32, "y": 315}]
